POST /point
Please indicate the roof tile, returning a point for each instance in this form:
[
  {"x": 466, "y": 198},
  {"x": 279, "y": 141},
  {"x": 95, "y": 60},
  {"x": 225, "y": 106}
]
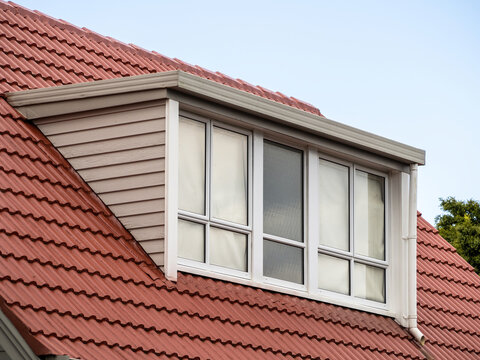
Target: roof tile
[{"x": 81, "y": 286}]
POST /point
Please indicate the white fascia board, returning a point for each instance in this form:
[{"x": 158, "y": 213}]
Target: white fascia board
[{"x": 31, "y": 103}]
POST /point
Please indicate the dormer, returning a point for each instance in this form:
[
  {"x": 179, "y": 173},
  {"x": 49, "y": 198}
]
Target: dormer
[{"x": 222, "y": 183}]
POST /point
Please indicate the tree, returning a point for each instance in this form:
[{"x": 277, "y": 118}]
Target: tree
[{"x": 460, "y": 226}]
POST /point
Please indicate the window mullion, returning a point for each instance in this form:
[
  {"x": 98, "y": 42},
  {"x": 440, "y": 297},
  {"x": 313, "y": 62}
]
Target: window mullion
[
  {"x": 208, "y": 191},
  {"x": 312, "y": 230},
  {"x": 257, "y": 211},
  {"x": 352, "y": 225}
]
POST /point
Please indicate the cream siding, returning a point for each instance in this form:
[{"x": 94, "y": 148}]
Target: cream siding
[{"x": 120, "y": 153}]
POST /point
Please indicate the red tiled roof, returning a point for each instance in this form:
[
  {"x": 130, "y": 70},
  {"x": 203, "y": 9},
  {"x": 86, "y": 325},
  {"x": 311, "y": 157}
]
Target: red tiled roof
[
  {"x": 38, "y": 51},
  {"x": 75, "y": 282}
]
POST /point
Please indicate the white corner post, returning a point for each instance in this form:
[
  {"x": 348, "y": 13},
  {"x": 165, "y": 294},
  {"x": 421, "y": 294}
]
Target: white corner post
[
  {"x": 171, "y": 189},
  {"x": 412, "y": 257}
]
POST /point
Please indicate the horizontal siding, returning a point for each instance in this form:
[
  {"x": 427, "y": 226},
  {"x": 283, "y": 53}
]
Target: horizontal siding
[
  {"x": 54, "y": 127},
  {"x": 139, "y": 141},
  {"x": 106, "y": 133},
  {"x": 128, "y": 182},
  {"x": 126, "y": 169},
  {"x": 118, "y": 157},
  {"x": 121, "y": 155},
  {"x": 133, "y": 194}
]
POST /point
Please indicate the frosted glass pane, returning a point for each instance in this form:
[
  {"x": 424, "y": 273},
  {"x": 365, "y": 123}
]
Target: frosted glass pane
[
  {"x": 282, "y": 191},
  {"x": 282, "y": 261},
  {"x": 191, "y": 166},
  {"x": 191, "y": 240},
  {"x": 369, "y": 282},
  {"x": 333, "y": 274},
  {"x": 229, "y": 176},
  {"x": 228, "y": 249},
  {"x": 369, "y": 215},
  {"x": 334, "y": 205}
]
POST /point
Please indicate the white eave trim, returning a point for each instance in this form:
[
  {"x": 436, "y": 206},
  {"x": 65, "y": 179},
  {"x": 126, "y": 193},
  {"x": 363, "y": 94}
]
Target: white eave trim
[{"x": 27, "y": 102}]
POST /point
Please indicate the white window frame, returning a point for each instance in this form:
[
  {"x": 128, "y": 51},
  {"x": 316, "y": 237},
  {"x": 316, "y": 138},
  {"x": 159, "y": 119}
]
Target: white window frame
[
  {"x": 209, "y": 221},
  {"x": 350, "y": 255},
  {"x": 303, "y": 245},
  {"x": 254, "y": 276}
]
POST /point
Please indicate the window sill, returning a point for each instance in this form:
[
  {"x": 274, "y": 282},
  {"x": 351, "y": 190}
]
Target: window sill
[{"x": 295, "y": 290}]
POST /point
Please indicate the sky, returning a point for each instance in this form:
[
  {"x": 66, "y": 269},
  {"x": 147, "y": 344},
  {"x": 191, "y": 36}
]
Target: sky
[{"x": 406, "y": 70}]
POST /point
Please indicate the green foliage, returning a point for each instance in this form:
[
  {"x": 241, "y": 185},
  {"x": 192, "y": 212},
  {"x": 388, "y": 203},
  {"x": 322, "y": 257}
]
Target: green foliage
[{"x": 460, "y": 226}]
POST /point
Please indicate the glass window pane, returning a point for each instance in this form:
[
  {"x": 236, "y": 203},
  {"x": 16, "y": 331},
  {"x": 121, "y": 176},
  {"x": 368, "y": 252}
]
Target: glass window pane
[
  {"x": 282, "y": 261},
  {"x": 228, "y": 249},
  {"x": 191, "y": 240},
  {"x": 369, "y": 215},
  {"x": 282, "y": 191},
  {"x": 369, "y": 282},
  {"x": 191, "y": 167},
  {"x": 333, "y": 274},
  {"x": 229, "y": 176},
  {"x": 334, "y": 205}
]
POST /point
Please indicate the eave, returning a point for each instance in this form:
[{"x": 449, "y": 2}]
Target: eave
[{"x": 39, "y": 103}]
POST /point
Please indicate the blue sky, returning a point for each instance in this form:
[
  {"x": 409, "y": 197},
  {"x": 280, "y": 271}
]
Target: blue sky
[{"x": 408, "y": 70}]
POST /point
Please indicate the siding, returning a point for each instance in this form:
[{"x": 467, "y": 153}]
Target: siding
[{"x": 120, "y": 153}]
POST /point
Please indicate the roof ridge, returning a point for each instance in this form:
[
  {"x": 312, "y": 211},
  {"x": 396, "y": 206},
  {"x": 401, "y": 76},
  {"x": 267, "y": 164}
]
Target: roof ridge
[
  {"x": 66, "y": 224},
  {"x": 72, "y": 247}
]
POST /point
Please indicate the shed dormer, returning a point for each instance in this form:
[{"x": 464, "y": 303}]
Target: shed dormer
[{"x": 222, "y": 183}]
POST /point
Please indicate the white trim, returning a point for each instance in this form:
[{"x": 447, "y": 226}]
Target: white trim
[
  {"x": 207, "y": 219},
  {"x": 171, "y": 189},
  {"x": 257, "y": 222},
  {"x": 350, "y": 255},
  {"x": 38, "y": 103},
  {"x": 368, "y": 306},
  {"x": 312, "y": 230}
]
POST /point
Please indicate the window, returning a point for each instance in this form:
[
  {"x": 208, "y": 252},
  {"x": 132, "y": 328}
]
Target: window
[
  {"x": 283, "y": 244},
  {"x": 347, "y": 254},
  {"x": 213, "y": 195},
  {"x": 320, "y": 222}
]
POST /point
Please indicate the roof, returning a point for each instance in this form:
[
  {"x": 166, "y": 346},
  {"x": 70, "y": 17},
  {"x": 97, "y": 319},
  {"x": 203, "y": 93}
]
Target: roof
[
  {"x": 74, "y": 281},
  {"x": 39, "y": 51}
]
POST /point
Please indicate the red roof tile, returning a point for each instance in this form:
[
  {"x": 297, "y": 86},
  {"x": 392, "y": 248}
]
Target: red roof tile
[
  {"x": 76, "y": 283},
  {"x": 40, "y": 51}
]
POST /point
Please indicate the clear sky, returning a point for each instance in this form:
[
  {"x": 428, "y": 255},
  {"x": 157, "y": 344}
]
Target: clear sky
[{"x": 407, "y": 70}]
